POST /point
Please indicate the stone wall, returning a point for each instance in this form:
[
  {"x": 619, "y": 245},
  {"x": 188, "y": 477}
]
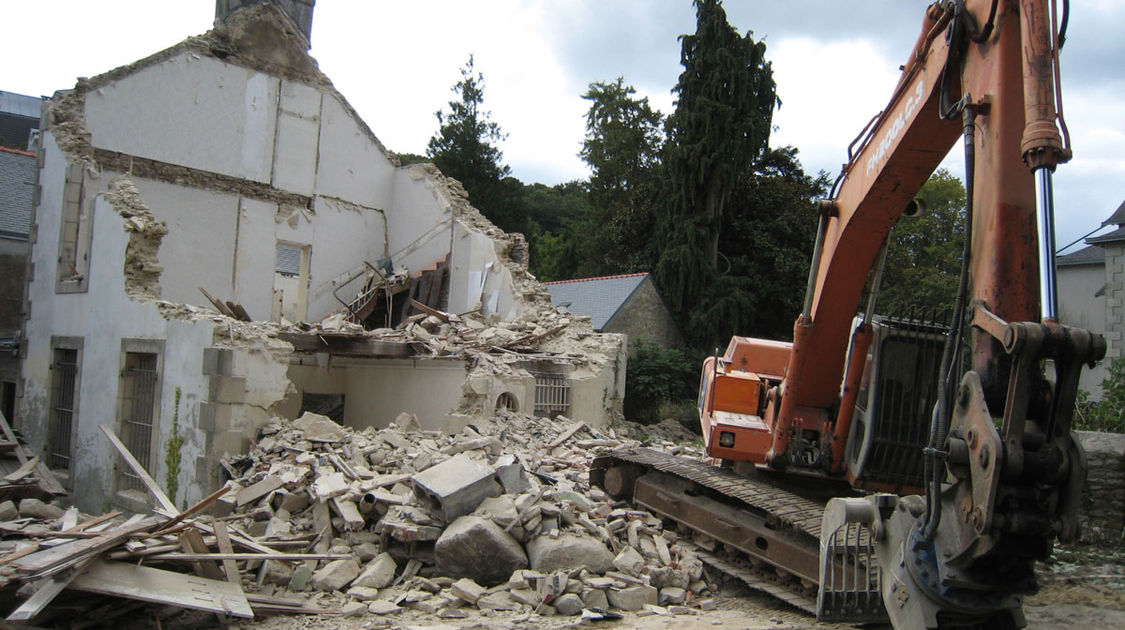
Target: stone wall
[{"x": 1103, "y": 501}]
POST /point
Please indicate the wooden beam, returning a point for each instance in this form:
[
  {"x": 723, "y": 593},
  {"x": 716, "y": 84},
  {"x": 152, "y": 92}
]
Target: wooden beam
[
  {"x": 46, "y": 590},
  {"x": 230, "y": 568},
  {"x": 191, "y": 511},
  {"x": 48, "y": 561},
  {"x": 192, "y": 543},
  {"x": 148, "y": 584},
  {"x": 140, "y": 471},
  {"x": 349, "y": 345},
  {"x": 196, "y": 557}
]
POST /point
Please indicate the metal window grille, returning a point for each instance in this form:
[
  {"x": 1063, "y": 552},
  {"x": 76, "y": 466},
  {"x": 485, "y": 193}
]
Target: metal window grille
[
  {"x": 138, "y": 386},
  {"x": 64, "y": 373},
  {"x": 552, "y": 394}
]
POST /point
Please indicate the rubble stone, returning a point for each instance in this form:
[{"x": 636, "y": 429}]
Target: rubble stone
[
  {"x": 318, "y": 428},
  {"x": 382, "y": 607},
  {"x": 569, "y": 604},
  {"x": 595, "y": 598},
  {"x": 629, "y": 561},
  {"x": 633, "y": 598},
  {"x": 500, "y": 600},
  {"x": 363, "y": 593},
  {"x": 8, "y": 511},
  {"x": 673, "y": 595},
  {"x": 335, "y": 575},
  {"x": 569, "y": 551},
  {"x": 476, "y": 548},
  {"x": 353, "y": 609},
  {"x": 379, "y": 573},
  {"x": 38, "y": 509},
  {"x": 467, "y": 590}
]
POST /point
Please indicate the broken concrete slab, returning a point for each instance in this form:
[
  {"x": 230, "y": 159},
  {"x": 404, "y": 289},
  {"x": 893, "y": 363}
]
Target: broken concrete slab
[
  {"x": 335, "y": 575},
  {"x": 455, "y": 487},
  {"x": 569, "y": 604},
  {"x": 633, "y": 598},
  {"x": 569, "y": 551},
  {"x": 476, "y": 548},
  {"x": 629, "y": 561},
  {"x": 467, "y": 590},
  {"x": 318, "y": 428},
  {"x": 379, "y": 573}
]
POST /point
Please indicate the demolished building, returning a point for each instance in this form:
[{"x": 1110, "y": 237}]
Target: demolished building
[{"x": 224, "y": 180}]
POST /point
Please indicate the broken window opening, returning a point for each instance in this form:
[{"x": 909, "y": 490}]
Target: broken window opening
[
  {"x": 140, "y": 378},
  {"x": 291, "y": 282},
  {"x": 330, "y": 405},
  {"x": 64, "y": 398},
  {"x": 552, "y": 394},
  {"x": 75, "y": 234}
]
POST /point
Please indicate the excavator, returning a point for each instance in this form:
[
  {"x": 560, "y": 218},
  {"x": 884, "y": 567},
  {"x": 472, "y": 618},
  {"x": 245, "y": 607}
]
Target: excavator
[{"x": 881, "y": 469}]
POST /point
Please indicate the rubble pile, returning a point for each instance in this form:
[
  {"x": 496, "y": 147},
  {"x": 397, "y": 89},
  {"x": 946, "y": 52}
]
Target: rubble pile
[{"x": 498, "y": 520}]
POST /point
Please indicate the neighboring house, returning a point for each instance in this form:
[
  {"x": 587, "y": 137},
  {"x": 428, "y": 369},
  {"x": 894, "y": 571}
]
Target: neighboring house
[
  {"x": 1091, "y": 294},
  {"x": 19, "y": 121},
  {"x": 230, "y": 163},
  {"x": 627, "y": 304},
  {"x": 17, "y": 193}
]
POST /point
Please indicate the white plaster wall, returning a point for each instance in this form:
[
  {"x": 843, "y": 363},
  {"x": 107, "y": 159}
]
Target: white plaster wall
[
  {"x": 256, "y": 257},
  {"x": 478, "y": 278},
  {"x": 342, "y": 238},
  {"x": 351, "y": 165},
  {"x": 1079, "y": 306},
  {"x": 597, "y": 392},
  {"x": 183, "y": 109},
  {"x": 102, "y": 317},
  {"x": 377, "y": 391},
  {"x": 419, "y": 224},
  {"x": 298, "y": 135},
  {"x": 198, "y": 250}
]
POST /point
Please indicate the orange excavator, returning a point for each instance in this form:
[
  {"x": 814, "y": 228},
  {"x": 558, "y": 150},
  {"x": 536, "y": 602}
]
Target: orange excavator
[{"x": 970, "y": 418}]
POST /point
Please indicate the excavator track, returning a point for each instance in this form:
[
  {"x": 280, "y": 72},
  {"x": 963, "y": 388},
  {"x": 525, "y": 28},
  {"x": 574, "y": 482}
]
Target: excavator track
[{"x": 757, "y": 532}]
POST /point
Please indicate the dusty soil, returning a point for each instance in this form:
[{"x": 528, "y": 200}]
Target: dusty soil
[{"x": 1082, "y": 588}]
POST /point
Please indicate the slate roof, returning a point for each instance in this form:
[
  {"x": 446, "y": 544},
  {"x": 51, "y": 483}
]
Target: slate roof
[
  {"x": 1090, "y": 255},
  {"x": 1111, "y": 237},
  {"x": 17, "y": 187},
  {"x": 600, "y": 298},
  {"x": 1118, "y": 216}
]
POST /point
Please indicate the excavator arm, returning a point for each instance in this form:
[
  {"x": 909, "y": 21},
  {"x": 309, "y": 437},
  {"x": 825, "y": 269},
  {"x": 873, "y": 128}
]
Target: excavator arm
[{"x": 1003, "y": 474}]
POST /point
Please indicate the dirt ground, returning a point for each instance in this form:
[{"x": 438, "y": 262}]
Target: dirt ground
[{"x": 1081, "y": 588}]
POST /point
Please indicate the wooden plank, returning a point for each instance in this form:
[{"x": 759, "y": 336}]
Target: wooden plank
[
  {"x": 45, "y": 592},
  {"x": 16, "y": 555},
  {"x": 11, "y": 437},
  {"x": 192, "y": 542},
  {"x": 140, "y": 471},
  {"x": 219, "y": 306},
  {"x": 566, "y": 435},
  {"x": 23, "y": 471},
  {"x": 252, "y": 493},
  {"x": 230, "y": 568},
  {"x": 164, "y": 587},
  {"x": 191, "y": 511},
  {"x": 50, "y": 560},
  {"x": 97, "y": 520},
  {"x": 196, "y": 557}
]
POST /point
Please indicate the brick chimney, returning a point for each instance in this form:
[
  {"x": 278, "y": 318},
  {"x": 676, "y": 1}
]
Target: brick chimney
[{"x": 300, "y": 12}]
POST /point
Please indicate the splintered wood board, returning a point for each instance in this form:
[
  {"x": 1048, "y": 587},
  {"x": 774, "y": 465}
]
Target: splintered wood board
[{"x": 158, "y": 586}]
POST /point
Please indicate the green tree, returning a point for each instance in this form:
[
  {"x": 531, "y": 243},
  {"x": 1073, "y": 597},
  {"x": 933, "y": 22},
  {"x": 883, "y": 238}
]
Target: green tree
[
  {"x": 624, "y": 139},
  {"x": 726, "y": 97},
  {"x": 924, "y": 259},
  {"x": 464, "y": 148}
]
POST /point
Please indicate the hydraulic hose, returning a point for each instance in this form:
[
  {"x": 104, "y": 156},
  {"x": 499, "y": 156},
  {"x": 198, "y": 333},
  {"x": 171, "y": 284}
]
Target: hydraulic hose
[{"x": 939, "y": 422}]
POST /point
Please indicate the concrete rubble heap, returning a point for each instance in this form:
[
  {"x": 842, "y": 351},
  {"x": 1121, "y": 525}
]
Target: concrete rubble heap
[{"x": 498, "y": 521}]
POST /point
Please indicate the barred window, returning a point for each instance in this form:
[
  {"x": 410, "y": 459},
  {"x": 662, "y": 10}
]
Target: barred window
[
  {"x": 64, "y": 396},
  {"x": 552, "y": 394},
  {"x": 139, "y": 381}
]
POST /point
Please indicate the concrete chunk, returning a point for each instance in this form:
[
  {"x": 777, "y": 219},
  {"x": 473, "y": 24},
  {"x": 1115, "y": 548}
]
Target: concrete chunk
[
  {"x": 335, "y": 575},
  {"x": 467, "y": 590},
  {"x": 629, "y": 561},
  {"x": 379, "y": 573},
  {"x": 476, "y": 548},
  {"x": 633, "y": 598},
  {"x": 569, "y": 551},
  {"x": 382, "y": 607},
  {"x": 455, "y": 487},
  {"x": 318, "y": 428},
  {"x": 569, "y": 604}
]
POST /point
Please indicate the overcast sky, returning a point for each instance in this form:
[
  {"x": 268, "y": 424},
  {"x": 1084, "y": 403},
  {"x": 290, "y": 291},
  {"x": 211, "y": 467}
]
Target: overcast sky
[{"x": 835, "y": 64}]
